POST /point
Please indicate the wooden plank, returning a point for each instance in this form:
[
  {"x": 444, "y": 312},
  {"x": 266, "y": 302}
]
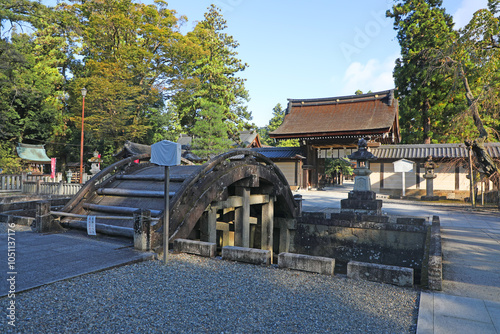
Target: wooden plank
[
  {"x": 173, "y": 178},
  {"x": 236, "y": 201},
  {"x": 121, "y": 231},
  {"x": 117, "y": 209},
  {"x": 132, "y": 192}
]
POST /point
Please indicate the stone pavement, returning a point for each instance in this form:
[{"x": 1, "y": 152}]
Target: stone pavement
[
  {"x": 470, "y": 300},
  {"x": 46, "y": 258}
]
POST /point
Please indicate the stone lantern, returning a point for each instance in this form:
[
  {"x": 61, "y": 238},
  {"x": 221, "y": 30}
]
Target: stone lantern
[
  {"x": 95, "y": 163},
  {"x": 429, "y": 177},
  {"x": 362, "y": 198}
]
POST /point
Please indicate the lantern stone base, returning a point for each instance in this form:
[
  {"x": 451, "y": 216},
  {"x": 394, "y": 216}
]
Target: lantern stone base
[
  {"x": 429, "y": 198},
  {"x": 364, "y": 201}
]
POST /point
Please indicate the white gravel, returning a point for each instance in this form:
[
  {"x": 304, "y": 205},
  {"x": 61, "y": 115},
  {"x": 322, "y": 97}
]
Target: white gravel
[{"x": 198, "y": 295}]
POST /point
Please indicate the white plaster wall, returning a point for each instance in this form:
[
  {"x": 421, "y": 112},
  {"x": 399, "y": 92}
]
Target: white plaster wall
[{"x": 445, "y": 179}]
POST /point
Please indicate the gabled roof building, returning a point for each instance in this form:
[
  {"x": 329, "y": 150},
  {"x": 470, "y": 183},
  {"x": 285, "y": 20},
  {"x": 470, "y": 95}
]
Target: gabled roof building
[{"x": 338, "y": 123}]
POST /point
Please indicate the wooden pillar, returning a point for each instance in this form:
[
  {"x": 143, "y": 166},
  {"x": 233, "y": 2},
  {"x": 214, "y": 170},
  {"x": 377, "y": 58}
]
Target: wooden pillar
[
  {"x": 242, "y": 219},
  {"x": 312, "y": 160},
  {"x": 267, "y": 226},
  {"x": 208, "y": 225}
]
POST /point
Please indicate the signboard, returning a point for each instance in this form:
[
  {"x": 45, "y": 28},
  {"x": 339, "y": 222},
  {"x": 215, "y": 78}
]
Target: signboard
[
  {"x": 166, "y": 153},
  {"x": 91, "y": 225},
  {"x": 403, "y": 166}
]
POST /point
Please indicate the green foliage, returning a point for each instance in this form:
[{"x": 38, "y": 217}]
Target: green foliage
[
  {"x": 10, "y": 163},
  {"x": 16, "y": 13},
  {"x": 426, "y": 102},
  {"x": 30, "y": 87},
  {"x": 333, "y": 166},
  {"x": 274, "y": 123},
  {"x": 288, "y": 143},
  {"x": 128, "y": 50},
  {"x": 472, "y": 60},
  {"x": 210, "y": 75},
  {"x": 145, "y": 80},
  {"x": 212, "y": 131}
]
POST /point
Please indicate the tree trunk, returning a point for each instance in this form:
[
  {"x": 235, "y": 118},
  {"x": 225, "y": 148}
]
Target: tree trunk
[
  {"x": 473, "y": 106},
  {"x": 426, "y": 120}
]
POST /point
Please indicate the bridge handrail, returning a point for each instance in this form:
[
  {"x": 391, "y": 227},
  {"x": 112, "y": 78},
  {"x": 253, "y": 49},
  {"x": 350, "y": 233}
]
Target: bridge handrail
[
  {"x": 100, "y": 177},
  {"x": 220, "y": 159}
]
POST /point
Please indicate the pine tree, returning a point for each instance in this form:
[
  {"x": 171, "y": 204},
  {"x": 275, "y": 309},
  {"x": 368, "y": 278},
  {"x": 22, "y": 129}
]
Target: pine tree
[
  {"x": 426, "y": 110},
  {"x": 211, "y": 76},
  {"x": 211, "y": 131}
]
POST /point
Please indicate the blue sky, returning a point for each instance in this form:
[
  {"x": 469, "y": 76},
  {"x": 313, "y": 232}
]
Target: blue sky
[{"x": 311, "y": 49}]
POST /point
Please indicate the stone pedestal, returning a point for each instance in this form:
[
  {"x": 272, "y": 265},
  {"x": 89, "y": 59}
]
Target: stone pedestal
[
  {"x": 362, "y": 198},
  {"x": 362, "y": 201}
]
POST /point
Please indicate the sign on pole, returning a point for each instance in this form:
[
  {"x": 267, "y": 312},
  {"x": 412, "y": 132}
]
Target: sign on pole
[
  {"x": 403, "y": 166},
  {"x": 166, "y": 153}
]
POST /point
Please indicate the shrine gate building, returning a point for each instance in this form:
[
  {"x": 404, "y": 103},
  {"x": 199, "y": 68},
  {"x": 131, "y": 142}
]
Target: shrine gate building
[{"x": 331, "y": 127}]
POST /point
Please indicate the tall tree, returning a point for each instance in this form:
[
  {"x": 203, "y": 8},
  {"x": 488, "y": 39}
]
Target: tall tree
[
  {"x": 131, "y": 53},
  {"x": 425, "y": 111},
  {"x": 474, "y": 60},
  {"x": 274, "y": 123},
  {"x": 30, "y": 83},
  {"x": 211, "y": 76},
  {"x": 212, "y": 131},
  {"x": 277, "y": 118}
]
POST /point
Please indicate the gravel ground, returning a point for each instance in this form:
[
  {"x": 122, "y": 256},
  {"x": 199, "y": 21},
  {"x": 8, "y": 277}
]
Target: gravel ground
[{"x": 198, "y": 295}]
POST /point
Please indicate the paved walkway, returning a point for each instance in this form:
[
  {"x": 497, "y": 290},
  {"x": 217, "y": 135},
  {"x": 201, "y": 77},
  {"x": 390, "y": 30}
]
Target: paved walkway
[
  {"x": 470, "y": 300},
  {"x": 46, "y": 258}
]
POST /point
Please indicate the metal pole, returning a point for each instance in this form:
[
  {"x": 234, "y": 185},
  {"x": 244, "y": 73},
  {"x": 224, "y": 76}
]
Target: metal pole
[
  {"x": 404, "y": 185},
  {"x": 166, "y": 216},
  {"x": 84, "y": 92}
]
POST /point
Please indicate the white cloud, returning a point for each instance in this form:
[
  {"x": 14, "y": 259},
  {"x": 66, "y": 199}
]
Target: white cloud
[
  {"x": 375, "y": 75},
  {"x": 464, "y": 13}
]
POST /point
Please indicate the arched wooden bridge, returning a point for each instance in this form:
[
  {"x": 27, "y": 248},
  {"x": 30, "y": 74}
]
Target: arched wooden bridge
[{"x": 238, "y": 198}]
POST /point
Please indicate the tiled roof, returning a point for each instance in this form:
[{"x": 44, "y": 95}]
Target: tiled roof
[
  {"x": 422, "y": 151},
  {"x": 248, "y": 137},
  {"x": 131, "y": 148},
  {"x": 279, "y": 152},
  {"x": 374, "y": 113},
  {"x": 32, "y": 153}
]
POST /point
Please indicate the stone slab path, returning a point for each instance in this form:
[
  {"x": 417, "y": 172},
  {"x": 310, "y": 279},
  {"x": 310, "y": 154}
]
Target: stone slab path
[{"x": 45, "y": 258}]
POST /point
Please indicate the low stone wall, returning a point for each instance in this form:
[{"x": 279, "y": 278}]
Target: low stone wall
[
  {"x": 206, "y": 249},
  {"x": 247, "y": 255},
  {"x": 379, "y": 239},
  {"x": 314, "y": 264},
  {"x": 380, "y": 273},
  {"x": 435, "y": 265},
  {"x": 23, "y": 213}
]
